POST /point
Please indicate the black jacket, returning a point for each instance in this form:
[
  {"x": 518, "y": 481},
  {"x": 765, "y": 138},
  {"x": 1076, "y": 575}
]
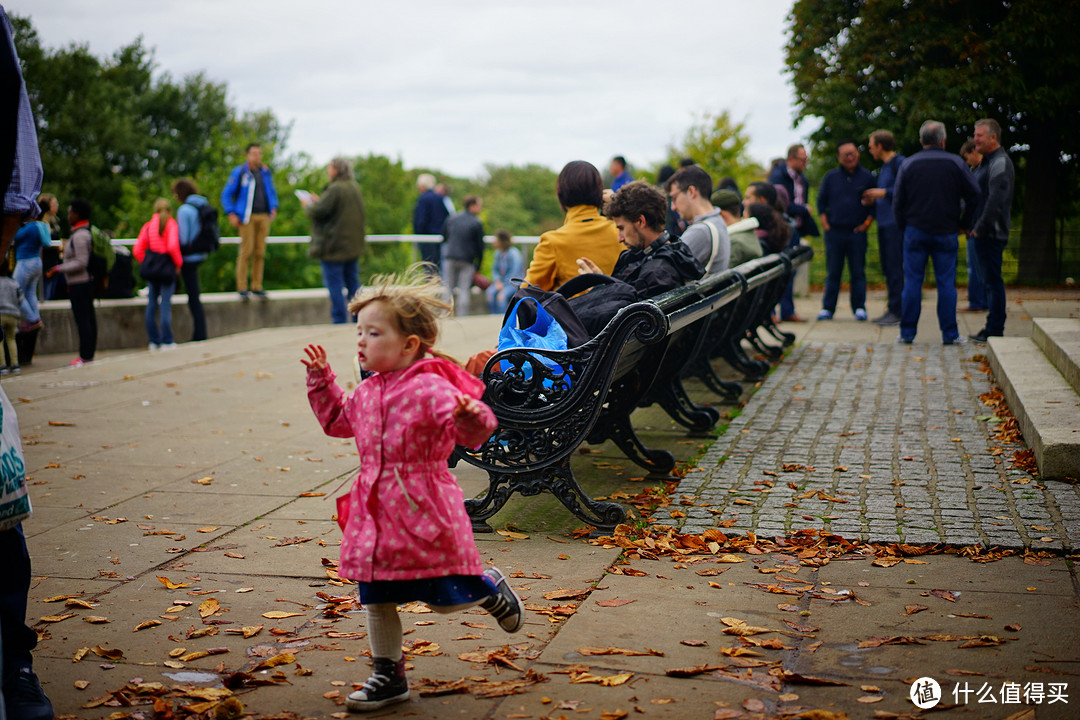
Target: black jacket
[{"x": 663, "y": 265}]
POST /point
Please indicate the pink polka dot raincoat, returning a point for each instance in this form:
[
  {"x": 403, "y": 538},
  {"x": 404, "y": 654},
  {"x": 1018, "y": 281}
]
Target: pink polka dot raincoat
[{"x": 404, "y": 518}]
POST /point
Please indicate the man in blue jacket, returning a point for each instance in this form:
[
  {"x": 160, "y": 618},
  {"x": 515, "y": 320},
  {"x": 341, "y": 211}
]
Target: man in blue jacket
[
  {"x": 251, "y": 203},
  {"x": 845, "y": 221}
]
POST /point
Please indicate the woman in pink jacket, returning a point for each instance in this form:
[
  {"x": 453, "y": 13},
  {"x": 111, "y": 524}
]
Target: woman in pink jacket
[
  {"x": 406, "y": 535},
  {"x": 161, "y": 235}
]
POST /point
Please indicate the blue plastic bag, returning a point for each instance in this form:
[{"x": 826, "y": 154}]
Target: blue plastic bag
[{"x": 546, "y": 333}]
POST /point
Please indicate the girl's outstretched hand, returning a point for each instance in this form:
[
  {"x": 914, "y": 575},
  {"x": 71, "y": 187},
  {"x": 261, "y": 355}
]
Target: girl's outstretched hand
[
  {"x": 316, "y": 355},
  {"x": 467, "y": 411}
]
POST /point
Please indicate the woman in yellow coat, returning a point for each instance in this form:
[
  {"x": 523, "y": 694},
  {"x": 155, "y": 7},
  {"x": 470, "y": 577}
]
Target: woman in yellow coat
[{"x": 585, "y": 232}]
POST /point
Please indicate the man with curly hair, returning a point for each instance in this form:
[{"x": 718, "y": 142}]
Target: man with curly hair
[{"x": 653, "y": 263}]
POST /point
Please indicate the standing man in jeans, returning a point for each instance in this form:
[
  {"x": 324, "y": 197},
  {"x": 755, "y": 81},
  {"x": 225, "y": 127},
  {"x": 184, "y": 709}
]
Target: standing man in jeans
[
  {"x": 933, "y": 199},
  {"x": 845, "y": 221},
  {"x": 251, "y": 203},
  {"x": 338, "y": 235},
  {"x": 990, "y": 234},
  {"x": 463, "y": 249},
  {"x": 890, "y": 238}
]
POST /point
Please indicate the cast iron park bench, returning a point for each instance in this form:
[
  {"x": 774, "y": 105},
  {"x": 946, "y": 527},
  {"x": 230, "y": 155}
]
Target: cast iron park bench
[
  {"x": 546, "y": 410},
  {"x": 764, "y": 281}
]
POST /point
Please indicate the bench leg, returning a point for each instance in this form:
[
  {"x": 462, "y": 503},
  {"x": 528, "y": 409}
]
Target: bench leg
[
  {"x": 729, "y": 390},
  {"x": 732, "y": 352},
  {"x": 786, "y": 339},
  {"x": 621, "y": 432},
  {"x": 559, "y": 481},
  {"x": 602, "y": 515},
  {"x": 769, "y": 351},
  {"x": 685, "y": 411}
]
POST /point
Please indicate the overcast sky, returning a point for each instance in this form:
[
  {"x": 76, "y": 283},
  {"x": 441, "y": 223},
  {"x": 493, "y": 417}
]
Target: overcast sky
[{"x": 457, "y": 84}]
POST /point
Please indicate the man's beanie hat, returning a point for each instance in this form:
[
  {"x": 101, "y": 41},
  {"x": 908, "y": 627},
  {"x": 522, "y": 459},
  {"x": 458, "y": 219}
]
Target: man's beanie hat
[{"x": 726, "y": 199}]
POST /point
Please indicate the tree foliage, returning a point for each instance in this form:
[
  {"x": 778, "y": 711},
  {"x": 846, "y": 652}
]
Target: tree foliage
[
  {"x": 861, "y": 65},
  {"x": 720, "y": 147}
]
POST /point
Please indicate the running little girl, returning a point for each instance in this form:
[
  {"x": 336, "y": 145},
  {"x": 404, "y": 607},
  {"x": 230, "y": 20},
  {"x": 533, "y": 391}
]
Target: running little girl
[{"x": 406, "y": 535}]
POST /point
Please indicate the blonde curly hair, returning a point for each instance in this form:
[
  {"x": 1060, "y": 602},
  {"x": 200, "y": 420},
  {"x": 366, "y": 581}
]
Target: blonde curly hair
[{"x": 414, "y": 300}]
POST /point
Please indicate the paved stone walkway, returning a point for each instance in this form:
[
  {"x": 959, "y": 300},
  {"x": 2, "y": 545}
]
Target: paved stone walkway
[{"x": 892, "y": 438}]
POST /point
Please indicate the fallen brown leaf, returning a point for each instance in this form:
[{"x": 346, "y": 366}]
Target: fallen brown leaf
[
  {"x": 614, "y": 603},
  {"x": 685, "y": 672},
  {"x": 589, "y": 650},
  {"x": 209, "y": 607}
]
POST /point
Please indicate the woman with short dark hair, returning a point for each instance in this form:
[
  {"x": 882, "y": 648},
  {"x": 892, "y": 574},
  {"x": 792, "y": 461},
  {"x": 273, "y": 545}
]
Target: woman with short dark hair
[{"x": 584, "y": 233}]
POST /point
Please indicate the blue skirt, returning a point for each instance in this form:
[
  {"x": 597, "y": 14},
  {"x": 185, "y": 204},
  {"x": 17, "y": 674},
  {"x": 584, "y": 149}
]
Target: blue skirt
[{"x": 439, "y": 591}]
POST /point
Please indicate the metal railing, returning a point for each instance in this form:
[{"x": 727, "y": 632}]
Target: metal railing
[{"x": 302, "y": 239}]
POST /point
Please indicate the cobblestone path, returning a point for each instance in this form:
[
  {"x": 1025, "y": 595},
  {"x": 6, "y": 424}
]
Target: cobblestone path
[{"x": 896, "y": 440}]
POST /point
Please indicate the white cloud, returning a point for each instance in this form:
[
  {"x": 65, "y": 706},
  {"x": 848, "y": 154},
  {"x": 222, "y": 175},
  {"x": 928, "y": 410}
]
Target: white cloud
[{"x": 455, "y": 85}]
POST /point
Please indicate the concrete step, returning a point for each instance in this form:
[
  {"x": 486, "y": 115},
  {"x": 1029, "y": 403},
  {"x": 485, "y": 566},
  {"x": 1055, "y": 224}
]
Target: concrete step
[
  {"x": 1059, "y": 340},
  {"x": 1046, "y": 406}
]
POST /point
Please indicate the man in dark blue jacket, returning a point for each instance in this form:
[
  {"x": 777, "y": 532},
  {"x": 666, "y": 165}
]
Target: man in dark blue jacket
[
  {"x": 933, "y": 199},
  {"x": 845, "y": 221},
  {"x": 429, "y": 216}
]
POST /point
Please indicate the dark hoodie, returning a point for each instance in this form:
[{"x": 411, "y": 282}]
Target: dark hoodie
[{"x": 663, "y": 265}]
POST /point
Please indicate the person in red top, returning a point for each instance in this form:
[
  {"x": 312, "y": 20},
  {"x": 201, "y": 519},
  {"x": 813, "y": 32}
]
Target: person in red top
[{"x": 160, "y": 235}]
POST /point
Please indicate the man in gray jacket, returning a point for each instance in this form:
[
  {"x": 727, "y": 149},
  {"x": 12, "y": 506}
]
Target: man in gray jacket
[
  {"x": 990, "y": 234},
  {"x": 463, "y": 249}
]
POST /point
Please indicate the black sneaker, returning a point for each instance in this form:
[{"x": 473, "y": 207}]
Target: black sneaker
[
  {"x": 983, "y": 335},
  {"x": 887, "y": 320},
  {"x": 505, "y": 606},
  {"x": 261, "y": 294},
  {"x": 23, "y": 697},
  {"x": 244, "y": 294},
  {"x": 386, "y": 686}
]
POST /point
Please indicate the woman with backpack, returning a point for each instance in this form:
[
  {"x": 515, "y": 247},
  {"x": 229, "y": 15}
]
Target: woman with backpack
[
  {"x": 158, "y": 251},
  {"x": 188, "y": 218}
]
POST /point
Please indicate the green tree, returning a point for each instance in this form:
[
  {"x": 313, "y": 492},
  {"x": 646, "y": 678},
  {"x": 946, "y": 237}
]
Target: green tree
[
  {"x": 718, "y": 146},
  {"x": 521, "y": 199},
  {"x": 861, "y": 65}
]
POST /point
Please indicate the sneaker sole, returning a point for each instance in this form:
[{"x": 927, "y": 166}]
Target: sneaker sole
[
  {"x": 500, "y": 581},
  {"x": 370, "y": 705}
]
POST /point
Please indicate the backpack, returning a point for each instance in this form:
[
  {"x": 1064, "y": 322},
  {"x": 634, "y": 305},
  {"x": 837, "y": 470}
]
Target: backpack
[
  {"x": 102, "y": 256},
  {"x": 208, "y": 239}
]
